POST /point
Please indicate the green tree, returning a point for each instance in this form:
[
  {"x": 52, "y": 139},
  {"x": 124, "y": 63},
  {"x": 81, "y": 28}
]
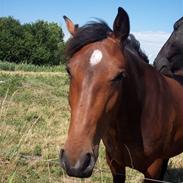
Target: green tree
[
  {"x": 10, "y": 39},
  {"x": 39, "y": 43}
]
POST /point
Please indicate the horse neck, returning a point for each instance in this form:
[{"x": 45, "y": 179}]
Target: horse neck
[
  {"x": 127, "y": 115},
  {"x": 134, "y": 85},
  {"x": 126, "y": 128},
  {"x": 133, "y": 91}
]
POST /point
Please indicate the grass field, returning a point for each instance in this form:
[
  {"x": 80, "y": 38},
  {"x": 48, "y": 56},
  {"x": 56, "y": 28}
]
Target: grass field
[
  {"x": 7, "y": 66},
  {"x": 34, "y": 118}
]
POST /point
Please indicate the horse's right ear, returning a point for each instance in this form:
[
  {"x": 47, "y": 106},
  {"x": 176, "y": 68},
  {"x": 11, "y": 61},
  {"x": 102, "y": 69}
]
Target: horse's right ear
[
  {"x": 70, "y": 26},
  {"x": 121, "y": 25}
]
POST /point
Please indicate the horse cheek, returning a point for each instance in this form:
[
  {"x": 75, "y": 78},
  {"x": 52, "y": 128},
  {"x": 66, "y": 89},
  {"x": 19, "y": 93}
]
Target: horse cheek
[{"x": 112, "y": 102}]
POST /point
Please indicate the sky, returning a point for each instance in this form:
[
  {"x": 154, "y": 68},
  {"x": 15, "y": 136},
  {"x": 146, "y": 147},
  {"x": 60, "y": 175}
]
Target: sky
[{"x": 151, "y": 20}]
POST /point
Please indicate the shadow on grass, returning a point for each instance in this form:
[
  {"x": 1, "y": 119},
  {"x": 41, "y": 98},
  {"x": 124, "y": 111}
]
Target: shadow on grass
[{"x": 174, "y": 175}]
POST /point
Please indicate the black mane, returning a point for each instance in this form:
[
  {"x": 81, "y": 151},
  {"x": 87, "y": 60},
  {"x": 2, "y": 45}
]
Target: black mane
[
  {"x": 133, "y": 44},
  {"x": 89, "y": 33},
  {"x": 97, "y": 31}
]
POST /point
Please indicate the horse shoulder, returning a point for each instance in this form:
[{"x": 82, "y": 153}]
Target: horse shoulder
[
  {"x": 157, "y": 116},
  {"x": 177, "y": 92}
]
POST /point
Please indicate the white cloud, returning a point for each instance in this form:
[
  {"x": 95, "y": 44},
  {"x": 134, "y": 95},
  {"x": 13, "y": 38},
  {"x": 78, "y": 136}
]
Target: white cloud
[{"x": 151, "y": 42}]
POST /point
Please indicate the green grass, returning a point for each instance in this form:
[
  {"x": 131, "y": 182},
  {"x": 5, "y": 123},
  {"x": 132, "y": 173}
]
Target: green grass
[
  {"x": 7, "y": 66},
  {"x": 34, "y": 119}
]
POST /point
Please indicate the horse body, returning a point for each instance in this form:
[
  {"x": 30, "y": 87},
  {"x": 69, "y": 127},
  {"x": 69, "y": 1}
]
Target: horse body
[
  {"x": 149, "y": 121},
  {"x": 118, "y": 98}
]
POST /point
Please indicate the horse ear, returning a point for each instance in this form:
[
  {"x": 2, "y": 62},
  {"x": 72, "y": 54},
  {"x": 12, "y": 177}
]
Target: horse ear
[
  {"x": 121, "y": 25},
  {"x": 70, "y": 26}
]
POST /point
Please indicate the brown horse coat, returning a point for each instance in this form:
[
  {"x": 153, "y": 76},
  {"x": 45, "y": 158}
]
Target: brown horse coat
[{"x": 117, "y": 97}]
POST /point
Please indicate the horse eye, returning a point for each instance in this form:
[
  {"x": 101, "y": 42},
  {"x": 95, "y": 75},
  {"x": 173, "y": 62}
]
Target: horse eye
[{"x": 119, "y": 77}]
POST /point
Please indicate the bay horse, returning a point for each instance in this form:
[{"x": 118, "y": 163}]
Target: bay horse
[
  {"x": 169, "y": 60},
  {"x": 116, "y": 97}
]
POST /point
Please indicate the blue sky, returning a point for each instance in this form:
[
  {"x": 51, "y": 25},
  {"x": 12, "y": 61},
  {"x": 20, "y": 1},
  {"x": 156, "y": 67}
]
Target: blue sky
[{"x": 147, "y": 17}]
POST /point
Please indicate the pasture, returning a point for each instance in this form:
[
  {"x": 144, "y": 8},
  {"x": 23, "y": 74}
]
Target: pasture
[{"x": 34, "y": 119}]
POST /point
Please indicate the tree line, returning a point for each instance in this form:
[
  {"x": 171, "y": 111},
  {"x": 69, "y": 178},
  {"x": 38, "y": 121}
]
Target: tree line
[{"x": 39, "y": 43}]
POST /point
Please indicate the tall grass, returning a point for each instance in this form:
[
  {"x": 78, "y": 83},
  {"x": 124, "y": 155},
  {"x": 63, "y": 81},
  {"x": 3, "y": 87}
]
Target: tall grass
[
  {"x": 34, "y": 118},
  {"x": 7, "y": 66}
]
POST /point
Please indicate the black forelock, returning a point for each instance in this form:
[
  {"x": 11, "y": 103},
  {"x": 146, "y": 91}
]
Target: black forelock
[
  {"x": 97, "y": 31},
  {"x": 89, "y": 33}
]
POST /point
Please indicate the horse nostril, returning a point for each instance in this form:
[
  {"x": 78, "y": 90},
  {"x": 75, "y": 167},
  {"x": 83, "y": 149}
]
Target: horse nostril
[{"x": 86, "y": 161}]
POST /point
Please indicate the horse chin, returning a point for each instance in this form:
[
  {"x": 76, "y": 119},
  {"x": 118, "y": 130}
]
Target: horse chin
[{"x": 87, "y": 175}]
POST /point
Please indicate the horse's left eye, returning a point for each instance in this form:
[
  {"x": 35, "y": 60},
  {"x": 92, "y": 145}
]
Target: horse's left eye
[{"x": 119, "y": 77}]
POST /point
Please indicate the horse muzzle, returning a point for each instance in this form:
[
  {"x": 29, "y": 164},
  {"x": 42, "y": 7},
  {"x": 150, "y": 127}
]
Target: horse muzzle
[{"x": 83, "y": 168}]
